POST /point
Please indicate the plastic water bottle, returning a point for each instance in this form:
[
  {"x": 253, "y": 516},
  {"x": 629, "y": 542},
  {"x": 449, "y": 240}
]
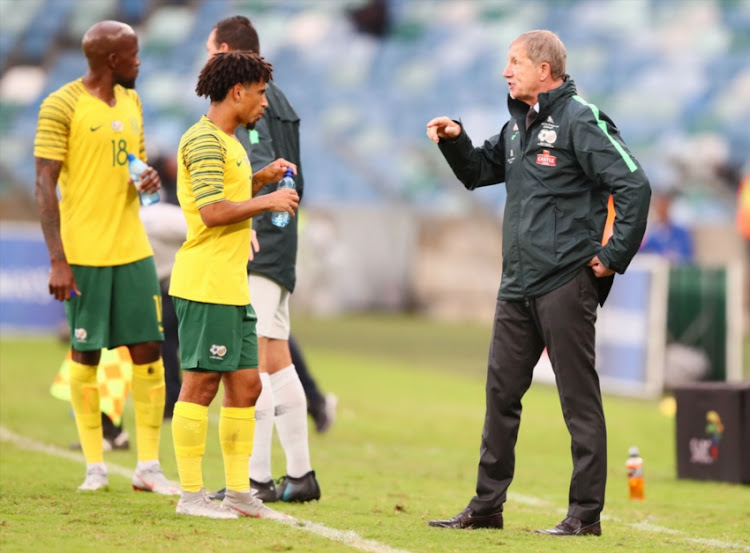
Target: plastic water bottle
[
  {"x": 136, "y": 168},
  {"x": 281, "y": 218},
  {"x": 634, "y": 467}
]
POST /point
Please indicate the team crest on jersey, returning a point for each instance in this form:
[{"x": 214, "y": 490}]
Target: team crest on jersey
[
  {"x": 545, "y": 158},
  {"x": 117, "y": 126},
  {"x": 218, "y": 352},
  {"x": 80, "y": 334},
  {"x": 134, "y": 125}
]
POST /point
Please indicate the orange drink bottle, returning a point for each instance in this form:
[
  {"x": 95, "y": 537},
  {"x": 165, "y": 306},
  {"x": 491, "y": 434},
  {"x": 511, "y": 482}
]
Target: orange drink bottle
[{"x": 634, "y": 467}]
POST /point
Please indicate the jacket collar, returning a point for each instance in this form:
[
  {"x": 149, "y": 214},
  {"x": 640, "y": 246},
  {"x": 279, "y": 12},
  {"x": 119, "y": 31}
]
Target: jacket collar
[{"x": 546, "y": 100}]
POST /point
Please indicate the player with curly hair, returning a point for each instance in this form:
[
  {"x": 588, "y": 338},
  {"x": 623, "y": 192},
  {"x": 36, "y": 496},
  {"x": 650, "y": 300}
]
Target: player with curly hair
[{"x": 218, "y": 341}]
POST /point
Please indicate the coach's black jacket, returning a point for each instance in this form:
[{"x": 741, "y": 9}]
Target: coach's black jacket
[{"x": 559, "y": 176}]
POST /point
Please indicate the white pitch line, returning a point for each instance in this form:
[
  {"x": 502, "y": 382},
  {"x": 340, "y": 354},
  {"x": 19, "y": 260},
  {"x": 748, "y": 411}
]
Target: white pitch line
[
  {"x": 529, "y": 500},
  {"x": 642, "y": 526},
  {"x": 348, "y": 537},
  {"x": 32, "y": 445}
]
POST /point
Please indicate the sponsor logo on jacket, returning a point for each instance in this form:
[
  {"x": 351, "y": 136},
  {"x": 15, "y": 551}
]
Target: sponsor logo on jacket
[{"x": 545, "y": 158}]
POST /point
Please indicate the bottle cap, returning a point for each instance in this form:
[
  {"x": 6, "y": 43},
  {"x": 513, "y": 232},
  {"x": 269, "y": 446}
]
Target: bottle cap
[
  {"x": 288, "y": 172},
  {"x": 633, "y": 451},
  {"x": 131, "y": 157}
]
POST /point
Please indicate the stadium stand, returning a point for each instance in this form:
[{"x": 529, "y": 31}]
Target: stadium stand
[{"x": 665, "y": 70}]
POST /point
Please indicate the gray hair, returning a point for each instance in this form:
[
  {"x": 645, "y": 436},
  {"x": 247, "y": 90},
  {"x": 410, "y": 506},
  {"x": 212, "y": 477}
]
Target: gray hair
[{"x": 545, "y": 46}]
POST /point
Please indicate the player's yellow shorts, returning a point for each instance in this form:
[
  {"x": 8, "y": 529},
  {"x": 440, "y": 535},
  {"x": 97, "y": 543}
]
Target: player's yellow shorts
[
  {"x": 118, "y": 305},
  {"x": 217, "y": 338}
]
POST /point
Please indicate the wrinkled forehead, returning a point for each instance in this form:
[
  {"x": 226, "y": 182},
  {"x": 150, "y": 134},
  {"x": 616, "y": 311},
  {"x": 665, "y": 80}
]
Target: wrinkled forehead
[{"x": 518, "y": 49}]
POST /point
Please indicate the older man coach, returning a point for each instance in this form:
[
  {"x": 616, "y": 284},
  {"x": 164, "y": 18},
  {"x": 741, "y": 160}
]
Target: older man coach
[{"x": 560, "y": 158}]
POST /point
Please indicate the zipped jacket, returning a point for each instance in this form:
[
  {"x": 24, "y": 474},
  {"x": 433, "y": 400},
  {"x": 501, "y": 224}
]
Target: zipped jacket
[
  {"x": 558, "y": 175},
  {"x": 275, "y": 135}
]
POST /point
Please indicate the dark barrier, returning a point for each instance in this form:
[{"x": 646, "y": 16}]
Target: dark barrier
[
  {"x": 713, "y": 431},
  {"x": 697, "y": 313}
]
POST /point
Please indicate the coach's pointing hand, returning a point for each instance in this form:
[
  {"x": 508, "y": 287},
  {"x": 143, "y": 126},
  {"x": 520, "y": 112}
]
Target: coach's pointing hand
[{"x": 442, "y": 127}]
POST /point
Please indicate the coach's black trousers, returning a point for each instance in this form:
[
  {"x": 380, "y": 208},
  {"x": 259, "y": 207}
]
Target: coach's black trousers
[{"x": 563, "y": 322}]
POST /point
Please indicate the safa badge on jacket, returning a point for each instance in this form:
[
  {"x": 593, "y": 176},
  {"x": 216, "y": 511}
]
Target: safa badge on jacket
[{"x": 546, "y": 139}]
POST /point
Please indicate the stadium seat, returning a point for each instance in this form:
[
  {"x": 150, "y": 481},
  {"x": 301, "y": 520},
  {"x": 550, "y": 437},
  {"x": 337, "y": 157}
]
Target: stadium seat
[
  {"x": 133, "y": 11},
  {"x": 167, "y": 27},
  {"x": 85, "y": 14},
  {"x": 439, "y": 58}
]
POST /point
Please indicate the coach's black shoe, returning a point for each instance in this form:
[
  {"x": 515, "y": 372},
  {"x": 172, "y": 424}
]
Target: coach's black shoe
[
  {"x": 265, "y": 491},
  {"x": 467, "y": 519},
  {"x": 302, "y": 489},
  {"x": 218, "y": 496},
  {"x": 573, "y": 526}
]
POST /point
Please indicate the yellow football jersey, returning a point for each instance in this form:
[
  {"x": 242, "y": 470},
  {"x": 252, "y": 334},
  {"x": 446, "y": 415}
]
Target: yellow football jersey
[
  {"x": 211, "y": 266},
  {"x": 99, "y": 220}
]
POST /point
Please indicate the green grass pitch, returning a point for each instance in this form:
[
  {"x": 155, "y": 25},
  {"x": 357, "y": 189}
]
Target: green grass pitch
[{"x": 403, "y": 450}]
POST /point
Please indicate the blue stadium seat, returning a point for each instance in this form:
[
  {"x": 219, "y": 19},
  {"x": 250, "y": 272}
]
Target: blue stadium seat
[
  {"x": 7, "y": 41},
  {"x": 85, "y": 14},
  {"x": 44, "y": 29},
  {"x": 133, "y": 11}
]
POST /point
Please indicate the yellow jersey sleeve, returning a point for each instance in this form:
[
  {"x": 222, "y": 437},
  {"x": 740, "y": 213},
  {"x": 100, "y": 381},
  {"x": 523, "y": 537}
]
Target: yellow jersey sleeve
[
  {"x": 204, "y": 157},
  {"x": 55, "y": 117}
]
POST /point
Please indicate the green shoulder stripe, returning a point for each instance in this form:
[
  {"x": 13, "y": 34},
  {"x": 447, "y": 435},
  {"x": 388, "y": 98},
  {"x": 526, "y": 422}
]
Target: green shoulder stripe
[{"x": 603, "y": 126}]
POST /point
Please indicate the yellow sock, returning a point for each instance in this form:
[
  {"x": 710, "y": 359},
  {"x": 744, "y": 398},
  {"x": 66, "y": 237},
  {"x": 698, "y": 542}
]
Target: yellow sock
[
  {"x": 148, "y": 400},
  {"x": 236, "y": 429},
  {"x": 84, "y": 396},
  {"x": 189, "y": 426}
]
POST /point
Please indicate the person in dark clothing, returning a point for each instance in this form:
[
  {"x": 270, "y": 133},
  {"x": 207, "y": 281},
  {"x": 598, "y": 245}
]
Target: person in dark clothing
[
  {"x": 560, "y": 159},
  {"x": 170, "y": 351}
]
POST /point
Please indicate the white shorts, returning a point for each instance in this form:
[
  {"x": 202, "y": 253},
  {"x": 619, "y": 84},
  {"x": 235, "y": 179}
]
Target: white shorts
[{"x": 271, "y": 304}]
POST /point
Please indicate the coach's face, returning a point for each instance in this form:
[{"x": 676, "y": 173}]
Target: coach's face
[{"x": 523, "y": 76}]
